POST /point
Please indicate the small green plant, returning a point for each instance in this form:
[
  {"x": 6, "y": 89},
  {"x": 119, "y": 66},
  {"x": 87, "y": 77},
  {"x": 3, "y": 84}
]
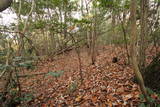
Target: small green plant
[
  {"x": 72, "y": 87},
  {"x": 9, "y": 62},
  {"x": 153, "y": 101},
  {"x": 27, "y": 97},
  {"x": 23, "y": 62},
  {"x": 55, "y": 73}
]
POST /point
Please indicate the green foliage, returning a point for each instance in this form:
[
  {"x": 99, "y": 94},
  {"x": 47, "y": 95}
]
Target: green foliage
[
  {"x": 18, "y": 58},
  {"x": 40, "y": 24},
  {"x": 155, "y": 36},
  {"x": 1, "y": 97},
  {"x": 81, "y": 21},
  {"x": 157, "y": 1},
  {"x": 2, "y": 67},
  {"x": 141, "y": 96},
  {"x": 26, "y": 7},
  {"x": 14, "y": 63},
  {"x": 127, "y": 4},
  {"x": 27, "y": 97},
  {"x": 24, "y": 62},
  {"x": 57, "y": 2},
  {"x": 106, "y": 3},
  {"x": 21, "y": 25},
  {"x": 72, "y": 87},
  {"x": 13, "y": 91},
  {"x": 55, "y": 73},
  {"x": 151, "y": 100},
  {"x": 142, "y": 105},
  {"x": 150, "y": 91},
  {"x": 24, "y": 98},
  {"x": 2, "y": 53}
]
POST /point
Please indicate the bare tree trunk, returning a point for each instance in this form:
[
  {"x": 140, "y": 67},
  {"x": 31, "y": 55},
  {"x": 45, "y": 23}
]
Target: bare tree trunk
[
  {"x": 53, "y": 42},
  {"x": 21, "y": 50},
  {"x": 94, "y": 38},
  {"x": 133, "y": 48},
  {"x": 93, "y": 47},
  {"x": 79, "y": 58},
  {"x": 144, "y": 33},
  {"x": 125, "y": 37},
  {"x": 88, "y": 30},
  {"x": 65, "y": 3},
  {"x": 20, "y": 37},
  {"x": 113, "y": 27}
]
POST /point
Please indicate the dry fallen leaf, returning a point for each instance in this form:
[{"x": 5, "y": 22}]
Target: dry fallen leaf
[
  {"x": 120, "y": 90},
  {"x": 127, "y": 97},
  {"x": 111, "y": 86},
  {"x": 79, "y": 98},
  {"x": 94, "y": 99}
]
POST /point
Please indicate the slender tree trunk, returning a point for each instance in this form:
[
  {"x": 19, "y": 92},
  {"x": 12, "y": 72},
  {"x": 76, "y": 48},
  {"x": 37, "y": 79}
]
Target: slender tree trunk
[
  {"x": 113, "y": 27},
  {"x": 144, "y": 33},
  {"x": 20, "y": 36},
  {"x": 89, "y": 39},
  {"x": 79, "y": 58},
  {"x": 94, "y": 37},
  {"x": 65, "y": 18},
  {"x": 125, "y": 37},
  {"x": 61, "y": 42},
  {"x": 93, "y": 46},
  {"x": 53, "y": 42},
  {"x": 133, "y": 48}
]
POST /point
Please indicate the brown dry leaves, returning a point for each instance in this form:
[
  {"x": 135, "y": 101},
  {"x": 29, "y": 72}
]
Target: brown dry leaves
[{"x": 105, "y": 83}]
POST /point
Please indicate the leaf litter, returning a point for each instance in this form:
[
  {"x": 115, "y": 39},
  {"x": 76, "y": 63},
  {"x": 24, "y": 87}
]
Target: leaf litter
[{"x": 105, "y": 84}]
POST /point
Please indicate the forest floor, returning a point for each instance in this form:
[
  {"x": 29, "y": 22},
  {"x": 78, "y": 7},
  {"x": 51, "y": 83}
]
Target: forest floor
[{"x": 105, "y": 84}]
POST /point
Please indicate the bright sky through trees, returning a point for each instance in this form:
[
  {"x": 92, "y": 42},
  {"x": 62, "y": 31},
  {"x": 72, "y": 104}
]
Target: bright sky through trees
[{"x": 7, "y": 17}]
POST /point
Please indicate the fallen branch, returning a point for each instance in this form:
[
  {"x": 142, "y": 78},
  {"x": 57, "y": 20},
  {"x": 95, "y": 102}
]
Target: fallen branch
[{"x": 69, "y": 48}]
